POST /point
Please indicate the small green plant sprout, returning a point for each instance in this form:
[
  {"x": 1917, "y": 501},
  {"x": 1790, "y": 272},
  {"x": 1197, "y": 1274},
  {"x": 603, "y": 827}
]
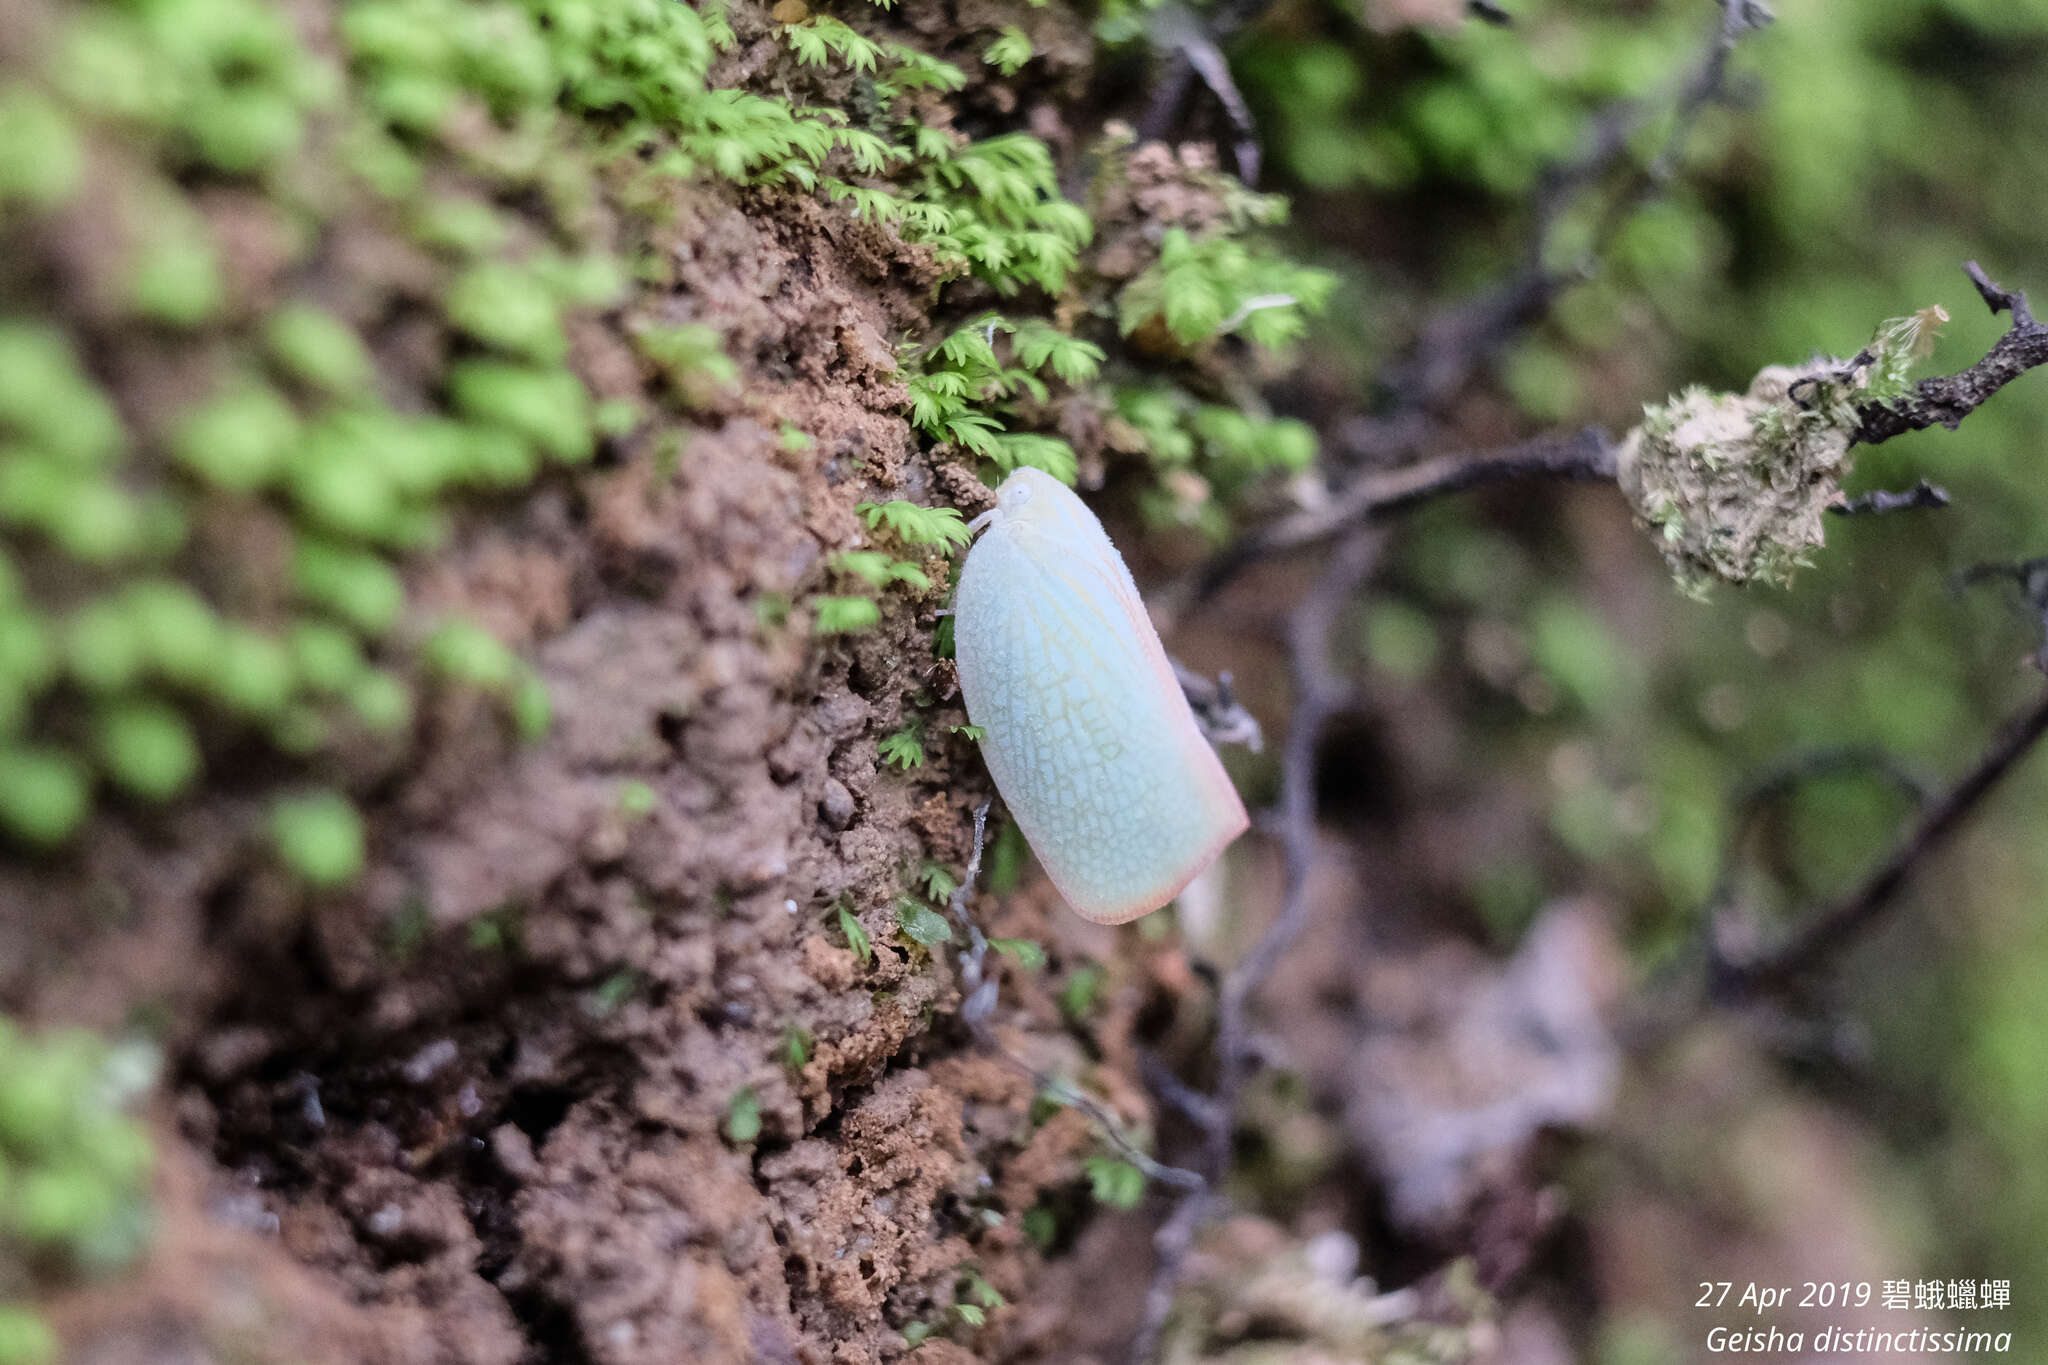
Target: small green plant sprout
[
  {"x": 794, "y": 439},
  {"x": 796, "y": 1047},
  {"x": 771, "y": 610},
  {"x": 25, "y": 1339},
  {"x": 1010, "y": 50},
  {"x": 856, "y": 936},
  {"x": 44, "y": 793},
  {"x": 614, "y": 991},
  {"x": 915, "y": 1334},
  {"x": 77, "y": 1166},
  {"x": 1734, "y": 488},
  {"x": 318, "y": 836},
  {"x": 994, "y": 209},
  {"x": 743, "y": 1117},
  {"x": 147, "y": 749},
  {"x": 1202, "y": 288},
  {"x": 316, "y": 349},
  {"x": 496, "y": 931},
  {"x": 962, "y": 386},
  {"x": 915, "y": 70},
  {"x": 818, "y": 40},
  {"x": 1041, "y": 1225},
  {"x": 1014, "y": 450},
  {"x": 942, "y": 527},
  {"x": 1077, "y": 997},
  {"x": 903, "y": 749},
  {"x": 509, "y": 309},
  {"x": 407, "y": 930},
  {"x": 845, "y": 615},
  {"x": 40, "y": 155},
  {"x": 921, "y": 924},
  {"x": 1038, "y": 346},
  {"x": 636, "y": 800},
  {"x": 973, "y": 732},
  {"x": 979, "y": 1291},
  {"x": 879, "y": 570},
  {"x": 1022, "y": 951},
  {"x": 1114, "y": 1181},
  {"x": 937, "y": 881},
  {"x": 691, "y": 357},
  {"x": 467, "y": 653},
  {"x": 617, "y": 416}
]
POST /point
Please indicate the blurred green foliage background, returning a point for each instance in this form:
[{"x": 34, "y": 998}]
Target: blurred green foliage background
[{"x": 1879, "y": 147}]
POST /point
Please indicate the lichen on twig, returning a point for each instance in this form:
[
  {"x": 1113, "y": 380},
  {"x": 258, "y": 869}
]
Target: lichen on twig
[{"x": 1734, "y": 487}]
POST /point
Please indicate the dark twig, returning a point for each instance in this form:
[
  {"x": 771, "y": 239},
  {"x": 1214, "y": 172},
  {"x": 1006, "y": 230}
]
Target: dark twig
[
  {"x": 1946, "y": 400},
  {"x": 1881, "y": 501},
  {"x": 1452, "y": 346},
  {"x": 1217, "y": 711},
  {"x": 1834, "y": 928},
  {"x": 1586, "y": 455},
  {"x": 1787, "y": 777},
  {"x": 1194, "y": 42},
  {"x": 1489, "y": 12},
  {"x": 2030, "y": 576},
  {"x": 1320, "y": 692}
]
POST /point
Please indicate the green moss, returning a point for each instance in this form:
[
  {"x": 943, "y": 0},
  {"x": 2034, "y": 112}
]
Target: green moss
[
  {"x": 845, "y": 615},
  {"x": 547, "y": 407},
  {"x": 25, "y": 1339},
  {"x": 470, "y": 654},
  {"x": 522, "y": 115},
  {"x": 44, "y": 793},
  {"x": 319, "y": 837},
  {"x": 356, "y": 585},
  {"x": 325, "y": 656},
  {"x": 240, "y": 439},
  {"x": 41, "y": 158},
  {"x": 146, "y": 748},
  {"x": 176, "y": 278},
  {"x": 381, "y": 702},
  {"x": 252, "y": 675},
  {"x": 76, "y": 1166},
  {"x": 743, "y": 1117},
  {"x": 46, "y": 398},
  {"x": 317, "y": 349},
  {"x": 508, "y": 308}
]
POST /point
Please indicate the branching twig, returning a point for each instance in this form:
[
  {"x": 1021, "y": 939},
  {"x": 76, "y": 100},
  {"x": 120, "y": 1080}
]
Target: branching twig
[
  {"x": 980, "y": 991},
  {"x": 1920, "y": 495},
  {"x": 1319, "y": 694},
  {"x": 1586, "y": 455},
  {"x": 1193, "y": 40},
  {"x": 1452, "y": 346},
  {"x": 1834, "y": 928},
  {"x": 2030, "y": 576},
  {"x": 1947, "y": 399},
  {"x": 1788, "y": 776},
  {"x": 1590, "y": 454},
  {"x": 1217, "y": 711}
]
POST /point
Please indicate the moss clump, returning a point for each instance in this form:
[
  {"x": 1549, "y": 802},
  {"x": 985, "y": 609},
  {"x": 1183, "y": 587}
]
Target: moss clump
[
  {"x": 1735, "y": 487},
  {"x": 525, "y": 144},
  {"x": 74, "y": 1168},
  {"x": 319, "y": 836}
]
